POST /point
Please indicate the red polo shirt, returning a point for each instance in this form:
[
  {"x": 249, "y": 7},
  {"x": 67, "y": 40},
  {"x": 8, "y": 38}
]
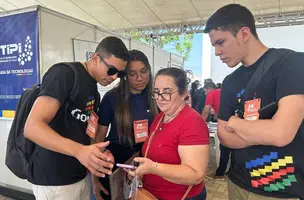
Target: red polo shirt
[
  {"x": 213, "y": 99},
  {"x": 187, "y": 128}
]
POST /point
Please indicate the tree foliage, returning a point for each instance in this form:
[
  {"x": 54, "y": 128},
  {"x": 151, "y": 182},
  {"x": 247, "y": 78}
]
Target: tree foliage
[{"x": 181, "y": 43}]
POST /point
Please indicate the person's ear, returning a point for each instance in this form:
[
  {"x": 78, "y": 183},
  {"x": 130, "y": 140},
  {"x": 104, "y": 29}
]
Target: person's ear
[
  {"x": 185, "y": 95},
  {"x": 244, "y": 34},
  {"x": 95, "y": 59}
]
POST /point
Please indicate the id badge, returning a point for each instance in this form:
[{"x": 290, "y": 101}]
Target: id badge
[
  {"x": 252, "y": 109},
  {"x": 140, "y": 130},
  {"x": 92, "y": 125}
]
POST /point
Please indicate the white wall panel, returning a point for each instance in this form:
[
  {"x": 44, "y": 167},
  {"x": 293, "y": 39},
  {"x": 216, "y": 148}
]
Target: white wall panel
[
  {"x": 177, "y": 61},
  {"x": 146, "y": 49},
  {"x": 7, "y": 177},
  {"x": 290, "y": 37},
  {"x": 102, "y": 34},
  {"x": 56, "y": 33},
  {"x": 81, "y": 47},
  {"x": 283, "y": 37},
  {"x": 161, "y": 59}
]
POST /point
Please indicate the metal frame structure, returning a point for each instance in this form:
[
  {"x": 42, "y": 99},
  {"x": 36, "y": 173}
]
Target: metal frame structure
[{"x": 262, "y": 21}]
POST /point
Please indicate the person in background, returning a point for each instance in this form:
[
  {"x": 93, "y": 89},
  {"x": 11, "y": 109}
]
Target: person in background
[
  {"x": 178, "y": 151},
  {"x": 57, "y": 124},
  {"x": 194, "y": 92},
  {"x": 267, "y": 157},
  {"x": 202, "y": 95},
  {"x": 127, "y": 104},
  {"x": 208, "y": 80},
  {"x": 213, "y": 102},
  {"x": 218, "y": 85}
]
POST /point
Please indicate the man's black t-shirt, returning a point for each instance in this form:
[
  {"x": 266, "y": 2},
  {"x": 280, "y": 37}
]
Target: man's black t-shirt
[
  {"x": 267, "y": 170},
  {"x": 51, "y": 168}
]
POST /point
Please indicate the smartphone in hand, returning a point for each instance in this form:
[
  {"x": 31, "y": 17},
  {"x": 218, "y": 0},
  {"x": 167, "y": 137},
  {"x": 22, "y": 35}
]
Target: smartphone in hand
[{"x": 124, "y": 166}]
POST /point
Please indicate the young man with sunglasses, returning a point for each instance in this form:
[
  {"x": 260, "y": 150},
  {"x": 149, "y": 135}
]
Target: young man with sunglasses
[{"x": 59, "y": 121}]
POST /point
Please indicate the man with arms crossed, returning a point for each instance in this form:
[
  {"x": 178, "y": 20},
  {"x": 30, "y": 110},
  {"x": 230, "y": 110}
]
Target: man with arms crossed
[
  {"x": 58, "y": 125},
  {"x": 267, "y": 156}
]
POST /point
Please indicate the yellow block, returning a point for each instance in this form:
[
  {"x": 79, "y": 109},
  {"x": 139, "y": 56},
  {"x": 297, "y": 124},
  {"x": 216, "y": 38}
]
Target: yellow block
[
  {"x": 255, "y": 173},
  {"x": 8, "y": 113},
  {"x": 274, "y": 165},
  {"x": 289, "y": 159}
]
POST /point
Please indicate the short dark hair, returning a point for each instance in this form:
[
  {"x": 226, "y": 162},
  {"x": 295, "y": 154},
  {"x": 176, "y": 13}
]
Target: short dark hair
[
  {"x": 210, "y": 86},
  {"x": 232, "y": 17},
  {"x": 194, "y": 85},
  {"x": 179, "y": 76},
  {"x": 208, "y": 80},
  {"x": 113, "y": 46}
]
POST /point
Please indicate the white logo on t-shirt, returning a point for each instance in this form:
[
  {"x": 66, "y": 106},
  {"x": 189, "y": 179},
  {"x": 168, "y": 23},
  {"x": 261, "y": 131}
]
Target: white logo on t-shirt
[{"x": 79, "y": 115}]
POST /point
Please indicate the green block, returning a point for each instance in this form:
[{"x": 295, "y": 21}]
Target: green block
[
  {"x": 292, "y": 178},
  {"x": 274, "y": 187},
  {"x": 280, "y": 186},
  {"x": 286, "y": 182},
  {"x": 267, "y": 189}
]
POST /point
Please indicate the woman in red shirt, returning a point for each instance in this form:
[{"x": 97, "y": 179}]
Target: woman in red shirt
[{"x": 178, "y": 146}]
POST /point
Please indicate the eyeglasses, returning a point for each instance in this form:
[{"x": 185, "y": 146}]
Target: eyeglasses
[
  {"x": 166, "y": 96},
  {"x": 142, "y": 73},
  {"x": 112, "y": 70}
]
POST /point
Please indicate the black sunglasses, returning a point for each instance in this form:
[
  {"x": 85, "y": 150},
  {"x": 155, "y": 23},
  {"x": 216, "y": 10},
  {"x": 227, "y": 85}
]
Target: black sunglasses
[{"x": 113, "y": 70}]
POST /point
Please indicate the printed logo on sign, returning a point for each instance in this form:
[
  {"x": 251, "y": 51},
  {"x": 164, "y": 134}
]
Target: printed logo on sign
[
  {"x": 17, "y": 52},
  {"x": 251, "y": 108},
  {"x": 140, "y": 126},
  {"x": 142, "y": 134},
  {"x": 89, "y": 55}
]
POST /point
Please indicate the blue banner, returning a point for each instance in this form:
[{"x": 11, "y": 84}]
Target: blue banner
[{"x": 18, "y": 57}]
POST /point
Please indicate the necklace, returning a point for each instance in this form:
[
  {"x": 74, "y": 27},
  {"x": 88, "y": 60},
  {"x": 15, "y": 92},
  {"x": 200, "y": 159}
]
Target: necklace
[{"x": 171, "y": 117}]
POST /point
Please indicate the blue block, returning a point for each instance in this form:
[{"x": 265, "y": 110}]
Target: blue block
[
  {"x": 248, "y": 165},
  {"x": 267, "y": 158},
  {"x": 254, "y": 163},
  {"x": 260, "y": 161},
  {"x": 274, "y": 155}
]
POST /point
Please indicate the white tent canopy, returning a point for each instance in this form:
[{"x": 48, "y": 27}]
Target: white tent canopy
[{"x": 143, "y": 15}]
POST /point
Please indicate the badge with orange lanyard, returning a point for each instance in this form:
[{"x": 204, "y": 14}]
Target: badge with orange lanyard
[
  {"x": 141, "y": 130},
  {"x": 92, "y": 125},
  {"x": 252, "y": 109}
]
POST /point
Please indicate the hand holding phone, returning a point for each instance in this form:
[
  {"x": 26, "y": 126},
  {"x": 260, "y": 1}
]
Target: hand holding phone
[{"x": 131, "y": 167}]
